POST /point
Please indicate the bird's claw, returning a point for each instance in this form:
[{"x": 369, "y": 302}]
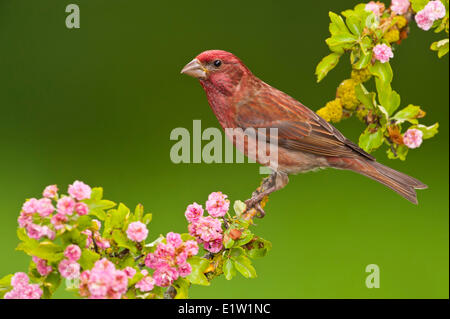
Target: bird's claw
[{"x": 255, "y": 203}]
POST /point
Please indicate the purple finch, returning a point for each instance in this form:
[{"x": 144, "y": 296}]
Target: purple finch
[{"x": 305, "y": 140}]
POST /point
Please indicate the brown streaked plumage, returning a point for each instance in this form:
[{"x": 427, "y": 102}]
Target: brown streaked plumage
[{"x": 305, "y": 140}]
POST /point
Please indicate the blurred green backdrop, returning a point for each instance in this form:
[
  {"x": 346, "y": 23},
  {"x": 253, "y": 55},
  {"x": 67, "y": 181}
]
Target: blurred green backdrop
[{"x": 98, "y": 104}]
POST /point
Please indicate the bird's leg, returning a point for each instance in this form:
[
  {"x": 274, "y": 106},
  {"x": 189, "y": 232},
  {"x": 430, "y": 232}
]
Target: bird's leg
[{"x": 269, "y": 185}]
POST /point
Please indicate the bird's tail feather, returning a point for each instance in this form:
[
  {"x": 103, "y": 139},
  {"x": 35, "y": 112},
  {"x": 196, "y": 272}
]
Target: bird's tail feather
[{"x": 401, "y": 183}]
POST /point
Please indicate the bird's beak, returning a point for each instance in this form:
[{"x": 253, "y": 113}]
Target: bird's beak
[{"x": 195, "y": 69}]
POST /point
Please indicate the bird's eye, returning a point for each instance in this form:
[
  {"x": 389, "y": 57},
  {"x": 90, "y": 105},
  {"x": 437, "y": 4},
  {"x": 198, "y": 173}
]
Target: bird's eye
[{"x": 217, "y": 63}]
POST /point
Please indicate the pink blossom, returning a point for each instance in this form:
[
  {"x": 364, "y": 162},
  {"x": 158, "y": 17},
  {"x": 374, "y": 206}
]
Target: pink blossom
[
  {"x": 193, "y": 212},
  {"x": 81, "y": 209},
  {"x": 46, "y": 231},
  {"x": 79, "y": 190},
  {"x": 146, "y": 284},
  {"x": 51, "y": 191},
  {"x": 42, "y": 267},
  {"x": 101, "y": 242},
  {"x": 120, "y": 282},
  {"x": 413, "y": 138},
  {"x": 69, "y": 269},
  {"x": 25, "y": 219},
  {"x": 19, "y": 279},
  {"x": 400, "y": 6},
  {"x": 184, "y": 269},
  {"x": 375, "y": 7},
  {"x": 213, "y": 246},
  {"x": 58, "y": 221},
  {"x": 129, "y": 271},
  {"x": 165, "y": 275},
  {"x": 435, "y": 9},
  {"x": 22, "y": 289},
  {"x": 382, "y": 53},
  {"x": 206, "y": 229},
  {"x": 174, "y": 239},
  {"x": 181, "y": 258},
  {"x": 191, "y": 248},
  {"x": 45, "y": 207},
  {"x": 137, "y": 231},
  {"x": 217, "y": 205},
  {"x": 35, "y": 231},
  {"x": 103, "y": 281},
  {"x": 65, "y": 205},
  {"x": 26, "y": 291},
  {"x": 424, "y": 20},
  {"x": 72, "y": 252},
  {"x": 30, "y": 206}
]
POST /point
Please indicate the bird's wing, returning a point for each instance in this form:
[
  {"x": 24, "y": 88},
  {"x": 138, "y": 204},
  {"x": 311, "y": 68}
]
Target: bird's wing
[{"x": 299, "y": 128}]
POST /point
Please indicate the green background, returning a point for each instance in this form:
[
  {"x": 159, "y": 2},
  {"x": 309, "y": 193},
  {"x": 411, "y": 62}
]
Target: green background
[{"x": 98, "y": 104}]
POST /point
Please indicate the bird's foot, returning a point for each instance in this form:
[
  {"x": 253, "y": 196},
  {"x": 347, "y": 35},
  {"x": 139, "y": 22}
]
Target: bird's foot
[{"x": 255, "y": 203}]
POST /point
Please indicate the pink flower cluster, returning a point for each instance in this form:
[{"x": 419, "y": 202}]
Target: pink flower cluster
[
  {"x": 69, "y": 268},
  {"x": 137, "y": 231},
  {"x": 103, "y": 281},
  {"x": 42, "y": 267},
  {"x": 400, "y": 6},
  {"x": 208, "y": 230},
  {"x": 170, "y": 259},
  {"x": 434, "y": 10},
  {"x": 22, "y": 289},
  {"x": 382, "y": 53},
  {"x": 44, "y": 209},
  {"x": 413, "y": 138},
  {"x": 217, "y": 205},
  {"x": 147, "y": 283},
  {"x": 102, "y": 243},
  {"x": 376, "y": 7}
]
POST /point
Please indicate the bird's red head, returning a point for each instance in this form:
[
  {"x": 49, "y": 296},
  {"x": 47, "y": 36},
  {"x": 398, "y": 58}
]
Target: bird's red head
[{"x": 216, "y": 68}]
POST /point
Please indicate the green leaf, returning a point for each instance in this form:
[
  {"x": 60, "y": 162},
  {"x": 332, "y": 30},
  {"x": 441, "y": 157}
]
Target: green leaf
[
  {"x": 259, "y": 248},
  {"x": 187, "y": 236},
  {"x": 244, "y": 266},
  {"x": 139, "y": 212},
  {"x": 229, "y": 243},
  {"x": 382, "y": 71},
  {"x": 418, "y": 5},
  {"x": 408, "y": 113},
  {"x": 182, "y": 287},
  {"x": 326, "y": 65},
  {"x": 147, "y": 219},
  {"x": 122, "y": 240},
  {"x": 97, "y": 205},
  {"x": 246, "y": 236},
  {"x": 136, "y": 278},
  {"x": 400, "y": 150},
  {"x": 52, "y": 282},
  {"x": 199, "y": 265},
  {"x": 363, "y": 61},
  {"x": 428, "y": 131},
  {"x": 369, "y": 141},
  {"x": 366, "y": 45},
  {"x": 388, "y": 98},
  {"x": 5, "y": 282},
  {"x": 44, "y": 250},
  {"x": 239, "y": 208},
  {"x": 365, "y": 97},
  {"x": 228, "y": 269},
  {"x": 84, "y": 222},
  {"x": 236, "y": 252},
  {"x": 355, "y": 25},
  {"x": 337, "y": 24},
  {"x": 74, "y": 236},
  {"x": 88, "y": 258}
]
